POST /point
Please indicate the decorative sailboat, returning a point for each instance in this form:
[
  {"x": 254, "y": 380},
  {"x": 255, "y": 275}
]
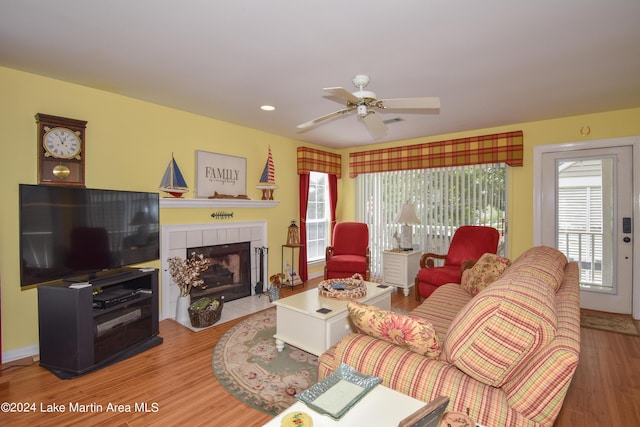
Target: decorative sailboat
[
  {"x": 173, "y": 182},
  {"x": 267, "y": 180}
]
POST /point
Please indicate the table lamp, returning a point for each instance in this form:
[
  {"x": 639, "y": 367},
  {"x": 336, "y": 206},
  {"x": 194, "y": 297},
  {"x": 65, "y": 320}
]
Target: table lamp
[{"x": 406, "y": 217}]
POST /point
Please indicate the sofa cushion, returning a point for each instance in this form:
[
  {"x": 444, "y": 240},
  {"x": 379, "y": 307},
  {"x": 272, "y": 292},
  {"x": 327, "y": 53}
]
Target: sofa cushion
[
  {"x": 483, "y": 273},
  {"x": 500, "y": 329},
  {"x": 441, "y": 308},
  {"x": 407, "y": 332}
]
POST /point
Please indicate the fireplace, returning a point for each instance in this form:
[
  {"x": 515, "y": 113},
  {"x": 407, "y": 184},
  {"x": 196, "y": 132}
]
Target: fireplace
[
  {"x": 229, "y": 274},
  {"x": 178, "y": 239}
]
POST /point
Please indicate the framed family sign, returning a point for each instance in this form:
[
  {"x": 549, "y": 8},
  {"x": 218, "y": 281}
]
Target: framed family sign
[{"x": 219, "y": 175}]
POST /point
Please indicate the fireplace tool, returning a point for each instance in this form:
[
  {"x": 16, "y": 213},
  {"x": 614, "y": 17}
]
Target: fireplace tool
[{"x": 260, "y": 252}]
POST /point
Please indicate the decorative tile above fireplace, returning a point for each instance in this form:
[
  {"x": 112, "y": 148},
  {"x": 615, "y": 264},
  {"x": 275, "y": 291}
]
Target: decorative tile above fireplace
[{"x": 177, "y": 239}]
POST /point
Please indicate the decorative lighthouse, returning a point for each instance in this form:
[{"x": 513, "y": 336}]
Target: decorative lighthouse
[{"x": 268, "y": 179}]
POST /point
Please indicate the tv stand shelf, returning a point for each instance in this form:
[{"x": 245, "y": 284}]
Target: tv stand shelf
[{"x": 84, "y": 329}]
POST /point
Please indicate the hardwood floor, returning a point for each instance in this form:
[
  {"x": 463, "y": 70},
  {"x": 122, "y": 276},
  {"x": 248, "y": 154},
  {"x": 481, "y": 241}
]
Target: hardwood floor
[{"x": 176, "y": 382}]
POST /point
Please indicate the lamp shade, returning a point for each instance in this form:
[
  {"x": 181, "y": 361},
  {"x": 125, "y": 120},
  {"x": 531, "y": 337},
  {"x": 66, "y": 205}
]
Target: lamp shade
[{"x": 407, "y": 215}]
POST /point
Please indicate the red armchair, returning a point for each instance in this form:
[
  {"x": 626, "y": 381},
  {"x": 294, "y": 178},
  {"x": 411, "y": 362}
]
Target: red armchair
[
  {"x": 350, "y": 251},
  {"x": 469, "y": 243}
]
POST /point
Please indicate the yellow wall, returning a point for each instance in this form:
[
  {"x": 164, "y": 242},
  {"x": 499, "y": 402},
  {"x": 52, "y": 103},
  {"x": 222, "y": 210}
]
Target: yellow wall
[
  {"x": 613, "y": 124},
  {"x": 129, "y": 144}
]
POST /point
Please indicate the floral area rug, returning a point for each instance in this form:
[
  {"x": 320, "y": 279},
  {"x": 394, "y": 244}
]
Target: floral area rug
[
  {"x": 248, "y": 365},
  {"x": 609, "y": 322}
]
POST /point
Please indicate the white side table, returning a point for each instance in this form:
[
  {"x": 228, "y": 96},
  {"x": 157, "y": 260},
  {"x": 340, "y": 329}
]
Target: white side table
[{"x": 399, "y": 268}]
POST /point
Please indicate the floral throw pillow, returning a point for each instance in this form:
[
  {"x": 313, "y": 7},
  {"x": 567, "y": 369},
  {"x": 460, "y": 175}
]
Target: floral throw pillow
[
  {"x": 483, "y": 273},
  {"x": 408, "y": 332}
]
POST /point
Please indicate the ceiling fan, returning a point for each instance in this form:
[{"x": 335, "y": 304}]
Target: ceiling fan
[{"x": 364, "y": 103}]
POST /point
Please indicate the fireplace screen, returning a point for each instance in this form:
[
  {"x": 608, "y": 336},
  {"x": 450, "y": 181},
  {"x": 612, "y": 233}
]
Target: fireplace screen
[{"x": 229, "y": 274}]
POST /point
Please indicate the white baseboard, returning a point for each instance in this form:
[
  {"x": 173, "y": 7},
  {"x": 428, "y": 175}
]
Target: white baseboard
[
  {"x": 20, "y": 353},
  {"x": 316, "y": 275}
]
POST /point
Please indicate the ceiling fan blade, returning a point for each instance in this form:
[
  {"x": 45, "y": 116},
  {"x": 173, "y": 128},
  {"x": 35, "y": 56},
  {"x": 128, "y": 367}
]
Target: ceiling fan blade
[
  {"x": 375, "y": 125},
  {"x": 342, "y": 93},
  {"x": 323, "y": 118},
  {"x": 428, "y": 102}
]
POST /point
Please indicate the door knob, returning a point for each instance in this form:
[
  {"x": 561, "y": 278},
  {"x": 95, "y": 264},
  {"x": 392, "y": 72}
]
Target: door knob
[{"x": 626, "y": 239}]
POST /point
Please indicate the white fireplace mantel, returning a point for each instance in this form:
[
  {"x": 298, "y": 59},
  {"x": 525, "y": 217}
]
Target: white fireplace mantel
[{"x": 216, "y": 203}]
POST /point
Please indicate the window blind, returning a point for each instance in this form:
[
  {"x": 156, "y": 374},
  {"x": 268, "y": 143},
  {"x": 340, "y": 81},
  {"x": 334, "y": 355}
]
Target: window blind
[{"x": 444, "y": 198}]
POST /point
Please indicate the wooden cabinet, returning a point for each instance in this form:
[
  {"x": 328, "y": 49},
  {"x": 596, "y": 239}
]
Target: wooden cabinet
[
  {"x": 399, "y": 268},
  {"x": 86, "y": 326}
]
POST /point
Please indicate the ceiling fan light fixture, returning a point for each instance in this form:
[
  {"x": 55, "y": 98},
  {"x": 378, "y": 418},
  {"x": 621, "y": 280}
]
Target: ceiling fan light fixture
[{"x": 362, "y": 110}]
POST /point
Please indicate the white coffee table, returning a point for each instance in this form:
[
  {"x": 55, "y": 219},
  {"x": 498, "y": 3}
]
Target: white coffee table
[
  {"x": 299, "y": 324},
  {"x": 382, "y": 406}
]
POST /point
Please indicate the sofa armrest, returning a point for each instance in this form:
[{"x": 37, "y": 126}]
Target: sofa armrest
[
  {"x": 420, "y": 377},
  {"x": 327, "y": 363},
  {"x": 372, "y": 356}
]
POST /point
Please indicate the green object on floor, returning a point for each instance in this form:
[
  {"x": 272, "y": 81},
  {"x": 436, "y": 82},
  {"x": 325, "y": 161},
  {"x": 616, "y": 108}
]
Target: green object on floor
[{"x": 201, "y": 304}]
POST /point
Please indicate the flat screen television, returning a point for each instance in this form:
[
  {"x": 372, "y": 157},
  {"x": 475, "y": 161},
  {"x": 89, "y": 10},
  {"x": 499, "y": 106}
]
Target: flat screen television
[{"x": 78, "y": 234}]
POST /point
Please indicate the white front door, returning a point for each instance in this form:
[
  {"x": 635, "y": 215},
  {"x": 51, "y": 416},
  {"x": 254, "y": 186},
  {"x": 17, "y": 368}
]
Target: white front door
[{"x": 587, "y": 213}]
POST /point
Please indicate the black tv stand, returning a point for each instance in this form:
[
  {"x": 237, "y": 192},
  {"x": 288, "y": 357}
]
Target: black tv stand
[
  {"x": 78, "y": 336},
  {"x": 74, "y": 281},
  {"x": 110, "y": 275},
  {"x": 99, "y": 277}
]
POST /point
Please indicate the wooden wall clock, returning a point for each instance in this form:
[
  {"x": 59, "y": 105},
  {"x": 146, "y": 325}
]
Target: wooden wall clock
[{"x": 61, "y": 153}]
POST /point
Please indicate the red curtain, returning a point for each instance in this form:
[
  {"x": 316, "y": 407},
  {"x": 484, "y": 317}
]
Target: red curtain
[
  {"x": 333, "y": 201},
  {"x": 303, "y": 200},
  {"x": 309, "y": 160}
]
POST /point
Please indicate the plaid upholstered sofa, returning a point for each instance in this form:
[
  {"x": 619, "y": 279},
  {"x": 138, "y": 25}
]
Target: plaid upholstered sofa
[{"x": 508, "y": 354}]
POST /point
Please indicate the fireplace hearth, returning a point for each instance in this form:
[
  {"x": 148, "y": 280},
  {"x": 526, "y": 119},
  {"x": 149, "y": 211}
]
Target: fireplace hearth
[{"x": 229, "y": 274}]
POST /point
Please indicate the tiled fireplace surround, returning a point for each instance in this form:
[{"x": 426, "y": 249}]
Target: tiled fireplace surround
[{"x": 176, "y": 238}]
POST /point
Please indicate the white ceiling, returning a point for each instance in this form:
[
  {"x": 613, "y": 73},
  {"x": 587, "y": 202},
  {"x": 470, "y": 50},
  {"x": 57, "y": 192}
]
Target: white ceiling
[{"x": 491, "y": 62}]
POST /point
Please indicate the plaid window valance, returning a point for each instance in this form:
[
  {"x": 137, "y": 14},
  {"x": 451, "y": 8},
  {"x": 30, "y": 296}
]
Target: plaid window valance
[
  {"x": 318, "y": 161},
  {"x": 498, "y": 148}
]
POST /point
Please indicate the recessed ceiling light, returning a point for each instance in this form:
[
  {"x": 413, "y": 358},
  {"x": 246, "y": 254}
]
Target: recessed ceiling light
[{"x": 267, "y": 108}]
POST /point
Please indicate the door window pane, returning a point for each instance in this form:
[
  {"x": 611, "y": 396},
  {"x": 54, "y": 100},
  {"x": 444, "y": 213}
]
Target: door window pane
[{"x": 585, "y": 219}]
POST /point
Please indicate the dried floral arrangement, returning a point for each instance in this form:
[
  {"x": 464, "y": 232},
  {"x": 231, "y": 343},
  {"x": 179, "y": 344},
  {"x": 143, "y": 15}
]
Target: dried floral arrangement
[{"x": 186, "y": 272}]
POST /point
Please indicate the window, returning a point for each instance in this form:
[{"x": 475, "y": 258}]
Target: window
[
  {"x": 318, "y": 216},
  {"x": 582, "y": 217},
  {"x": 444, "y": 198}
]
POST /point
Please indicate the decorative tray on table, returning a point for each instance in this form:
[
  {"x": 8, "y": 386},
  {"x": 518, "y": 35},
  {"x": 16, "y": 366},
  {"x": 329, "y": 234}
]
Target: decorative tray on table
[
  {"x": 339, "y": 392},
  {"x": 347, "y": 288}
]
